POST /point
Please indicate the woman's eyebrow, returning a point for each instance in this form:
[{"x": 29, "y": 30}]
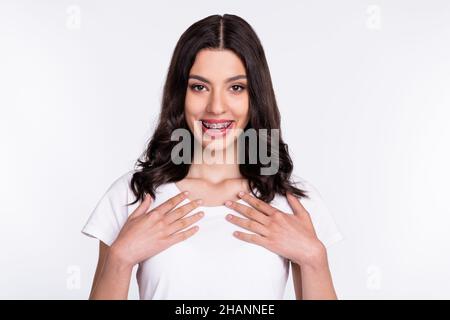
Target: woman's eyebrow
[{"x": 240, "y": 76}]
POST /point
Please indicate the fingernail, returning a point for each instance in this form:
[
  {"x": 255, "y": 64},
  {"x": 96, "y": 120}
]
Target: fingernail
[
  {"x": 229, "y": 216},
  {"x": 186, "y": 193},
  {"x": 201, "y": 214},
  {"x": 228, "y": 203},
  {"x": 241, "y": 193},
  {"x": 199, "y": 201}
]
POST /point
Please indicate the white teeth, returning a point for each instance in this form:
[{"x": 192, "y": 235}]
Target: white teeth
[{"x": 216, "y": 125}]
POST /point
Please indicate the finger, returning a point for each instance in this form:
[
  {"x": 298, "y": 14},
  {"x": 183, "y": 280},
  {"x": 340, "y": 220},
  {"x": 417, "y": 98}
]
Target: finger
[
  {"x": 143, "y": 207},
  {"x": 295, "y": 204},
  {"x": 183, "y": 235},
  {"x": 171, "y": 203},
  {"x": 185, "y": 222},
  {"x": 182, "y": 211},
  {"x": 257, "y": 203},
  {"x": 251, "y": 238},
  {"x": 250, "y": 225},
  {"x": 249, "y": 212}
]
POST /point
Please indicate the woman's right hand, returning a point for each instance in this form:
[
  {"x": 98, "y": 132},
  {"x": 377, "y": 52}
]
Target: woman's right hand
[{"x": 145, "y": 234}]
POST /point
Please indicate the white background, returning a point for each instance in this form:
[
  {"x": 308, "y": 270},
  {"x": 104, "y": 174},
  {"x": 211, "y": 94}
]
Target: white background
[{"x": 363, "y": 88}]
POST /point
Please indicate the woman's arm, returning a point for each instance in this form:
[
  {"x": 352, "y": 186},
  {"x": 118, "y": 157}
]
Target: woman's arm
[
  {"x": 144, "y": 234},
  {"x": 291, "y": 236},
  {"x": 297, "y": 278},
  {"x": 112, "y": 277},
  {"x": 314, "y": 282}
]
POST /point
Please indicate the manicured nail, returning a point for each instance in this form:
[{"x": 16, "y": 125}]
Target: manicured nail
[
  {"x": 241, "y": 193},
  {"x": 229, "y": 217},
  {"x": 186, "y": 193},
  {"x": 199, "y": 201},
  {"x": 228, "y": 203}
]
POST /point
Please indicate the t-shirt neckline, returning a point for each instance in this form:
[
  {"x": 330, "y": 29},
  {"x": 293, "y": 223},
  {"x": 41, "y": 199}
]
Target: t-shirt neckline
[{"x": 177, "y": 191}]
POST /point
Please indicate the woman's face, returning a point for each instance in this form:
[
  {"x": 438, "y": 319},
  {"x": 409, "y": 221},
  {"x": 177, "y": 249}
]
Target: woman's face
[{"x": 217, "y": 102}]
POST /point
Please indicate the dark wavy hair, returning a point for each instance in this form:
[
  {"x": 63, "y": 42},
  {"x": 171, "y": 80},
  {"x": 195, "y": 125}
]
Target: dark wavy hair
[{"x": 154, "y": 167}]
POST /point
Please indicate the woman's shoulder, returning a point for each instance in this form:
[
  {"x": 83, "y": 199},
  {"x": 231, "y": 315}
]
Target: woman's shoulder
[
  {"x": 120, "y": 191},
  {"x": 301, "y": 183},
  {"x": 122, "y": 183},
  {"x": 322, "y": 218}
]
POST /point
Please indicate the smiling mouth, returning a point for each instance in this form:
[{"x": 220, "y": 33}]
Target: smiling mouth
[
  {"x": 216, "y": 124},
  {"x": 216, "y": 127}
]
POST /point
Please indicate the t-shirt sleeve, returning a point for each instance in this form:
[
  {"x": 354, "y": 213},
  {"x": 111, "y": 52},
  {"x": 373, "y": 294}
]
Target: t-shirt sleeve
[
  {"x": 323, "y": 221},
  {"x": 110, "y": 213}
]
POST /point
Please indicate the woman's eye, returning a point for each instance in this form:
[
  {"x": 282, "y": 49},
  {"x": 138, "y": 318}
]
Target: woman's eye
[
  {"x": 237, "y": 88},
  {"x": 197, "y": 87}
]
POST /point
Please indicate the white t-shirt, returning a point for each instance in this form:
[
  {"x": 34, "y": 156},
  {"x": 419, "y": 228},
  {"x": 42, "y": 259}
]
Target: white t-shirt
[{"x": 211, "y": 264}]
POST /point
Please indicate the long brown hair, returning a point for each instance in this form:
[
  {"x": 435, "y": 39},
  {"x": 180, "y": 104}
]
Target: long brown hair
[{"x": 154, "y": 167}]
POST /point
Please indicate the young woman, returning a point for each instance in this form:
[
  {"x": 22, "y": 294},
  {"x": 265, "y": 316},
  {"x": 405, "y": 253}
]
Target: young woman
[{"x": 176, "y": 219}]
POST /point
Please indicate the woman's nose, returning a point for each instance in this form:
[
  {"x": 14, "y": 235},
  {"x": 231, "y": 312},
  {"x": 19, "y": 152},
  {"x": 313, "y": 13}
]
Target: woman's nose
[{"x": 216, "y": 104}]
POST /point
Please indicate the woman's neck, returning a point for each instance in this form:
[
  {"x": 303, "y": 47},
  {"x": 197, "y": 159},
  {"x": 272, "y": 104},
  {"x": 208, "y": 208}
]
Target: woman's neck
[
  {"x": 215, "y": 170},
  {"x": 214, "y": 173}
]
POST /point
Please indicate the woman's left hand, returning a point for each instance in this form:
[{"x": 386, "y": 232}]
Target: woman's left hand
[{"x": 289, "y": 235}]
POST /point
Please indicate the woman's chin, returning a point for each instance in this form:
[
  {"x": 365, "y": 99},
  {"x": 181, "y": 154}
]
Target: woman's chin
[{"x": 216, "y": 144}]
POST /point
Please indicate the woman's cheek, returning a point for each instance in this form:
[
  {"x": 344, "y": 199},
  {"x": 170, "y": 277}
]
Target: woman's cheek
[
  {"x": 196, "y": 103},
  {"x": 240, "y": 109},
  {"x": 193, "y": 107}
]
